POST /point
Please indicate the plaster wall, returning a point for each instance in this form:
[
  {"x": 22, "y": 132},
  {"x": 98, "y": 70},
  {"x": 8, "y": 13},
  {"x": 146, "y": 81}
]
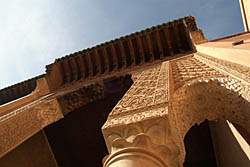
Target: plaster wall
[{"x": 223, "y": 49}]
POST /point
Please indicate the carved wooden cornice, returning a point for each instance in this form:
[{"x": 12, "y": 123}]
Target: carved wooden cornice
[{"x": 124, "y": 55}]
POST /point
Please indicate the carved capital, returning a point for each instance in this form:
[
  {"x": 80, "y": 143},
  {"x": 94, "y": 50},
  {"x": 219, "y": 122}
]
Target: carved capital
[{"x": 150, "y": 138}]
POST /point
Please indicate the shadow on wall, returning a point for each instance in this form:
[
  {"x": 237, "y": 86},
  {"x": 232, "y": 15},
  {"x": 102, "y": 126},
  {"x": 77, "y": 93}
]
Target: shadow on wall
[{"x": 199, "y": 147}]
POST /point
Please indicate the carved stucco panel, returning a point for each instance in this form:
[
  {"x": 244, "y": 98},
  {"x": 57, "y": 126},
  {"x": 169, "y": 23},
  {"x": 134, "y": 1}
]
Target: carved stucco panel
[
  {"x": 146, "y": 90},
  {"x": 27, "y": 122},
  {"x": 147, "y": 97},
  {"x": 237, "y": 70}
]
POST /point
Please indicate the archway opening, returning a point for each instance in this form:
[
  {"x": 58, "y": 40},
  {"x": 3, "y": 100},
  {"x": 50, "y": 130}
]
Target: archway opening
[{"x": 199, "y": 146}]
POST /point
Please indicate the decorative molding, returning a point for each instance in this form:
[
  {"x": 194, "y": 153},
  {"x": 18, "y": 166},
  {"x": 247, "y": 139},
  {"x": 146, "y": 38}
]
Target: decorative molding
[
  {"x": 148, "y": 96},
  {"x": 137, "y": 116}
]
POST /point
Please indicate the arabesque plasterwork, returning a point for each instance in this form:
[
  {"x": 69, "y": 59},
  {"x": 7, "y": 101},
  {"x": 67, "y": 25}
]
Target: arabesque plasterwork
[{"x": 149, "y": 92}]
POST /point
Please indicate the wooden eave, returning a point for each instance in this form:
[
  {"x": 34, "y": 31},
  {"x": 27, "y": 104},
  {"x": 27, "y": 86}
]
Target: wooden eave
[{"x": 149, "y": 46}]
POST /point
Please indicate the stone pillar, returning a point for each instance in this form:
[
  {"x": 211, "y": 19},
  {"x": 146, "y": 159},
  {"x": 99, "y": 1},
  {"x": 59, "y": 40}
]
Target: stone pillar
[{"x": 137, "y": 132}]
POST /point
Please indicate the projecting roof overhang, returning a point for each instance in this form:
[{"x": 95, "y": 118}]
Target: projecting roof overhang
[
  {"x": 123, "y": 55},
  {"x": 115, "y": 58}
]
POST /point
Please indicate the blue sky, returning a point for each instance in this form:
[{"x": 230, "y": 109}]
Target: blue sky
[{"x": 36, "y": 32}]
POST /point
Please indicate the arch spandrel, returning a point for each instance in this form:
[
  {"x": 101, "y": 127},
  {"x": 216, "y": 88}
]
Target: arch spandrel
[{"x": 205, "y": 88}]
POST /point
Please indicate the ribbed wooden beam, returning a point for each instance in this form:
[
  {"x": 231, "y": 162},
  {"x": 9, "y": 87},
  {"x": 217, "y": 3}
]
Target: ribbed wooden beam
[{"x": 145, "y": 47}]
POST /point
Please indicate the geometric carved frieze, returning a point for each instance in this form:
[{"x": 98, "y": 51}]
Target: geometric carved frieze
[
  {"x": 206, "y": 88},
  {"x": 236, "y": 70},
  {"x": 26, "y": 122},
  {"x": 186, "y": 70}
]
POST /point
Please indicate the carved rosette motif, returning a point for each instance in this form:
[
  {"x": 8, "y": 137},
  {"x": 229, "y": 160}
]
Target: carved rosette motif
[
  {"x": 27, "y": 121},
  {"x": 206, "y": 88},
  {"x": 139, "y": 122}
]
